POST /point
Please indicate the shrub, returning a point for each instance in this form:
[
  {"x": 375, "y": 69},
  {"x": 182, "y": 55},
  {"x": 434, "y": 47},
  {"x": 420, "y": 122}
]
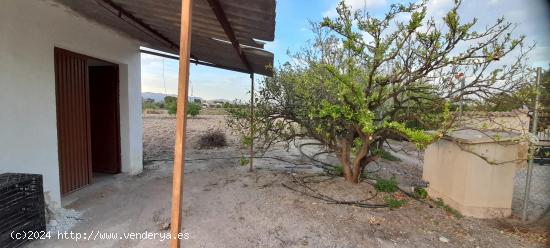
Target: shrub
[
  {"x": 420, "y": 193},
  {"x": 212, "y": 139},
  {"x": 393, "y": 202},
  {"x": 244, "y": 161},
  {"x": 386, "y": 185},
  {"x": 440, "y": 204},
  {"x": 149, "y": 105},
  {"x": 171, "y": 104},
  {"x": 193, "y": 109},
  {"x": 338, "y": 171}
]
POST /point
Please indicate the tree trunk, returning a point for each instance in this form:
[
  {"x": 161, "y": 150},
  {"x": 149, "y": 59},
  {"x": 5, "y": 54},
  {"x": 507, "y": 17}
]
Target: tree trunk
[
  {"x": 358, "y": 162},
  {"x": 345, "y": 159},
  {"x": 352, "y": 169}
]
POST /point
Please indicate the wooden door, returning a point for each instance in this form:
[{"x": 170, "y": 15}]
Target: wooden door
[{"x": 73, "y": 126}]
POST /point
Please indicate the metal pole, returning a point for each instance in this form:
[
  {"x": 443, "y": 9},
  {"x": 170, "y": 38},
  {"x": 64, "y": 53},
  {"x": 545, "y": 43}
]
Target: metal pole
[
  {"x": 461, "y": 78},
  {"x": 462, "y": 85},
  {"x": 251, "y": 121},
  {"x": 529, "y": 174},
  {"x": 181, "y": 122}
]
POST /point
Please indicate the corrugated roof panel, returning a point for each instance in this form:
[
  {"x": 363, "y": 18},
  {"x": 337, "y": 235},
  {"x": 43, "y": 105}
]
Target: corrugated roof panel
[{"x": 250, "y": 20}]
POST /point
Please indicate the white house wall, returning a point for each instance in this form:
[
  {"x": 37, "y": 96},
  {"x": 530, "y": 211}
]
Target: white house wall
[{"x": 29, "y": 31}]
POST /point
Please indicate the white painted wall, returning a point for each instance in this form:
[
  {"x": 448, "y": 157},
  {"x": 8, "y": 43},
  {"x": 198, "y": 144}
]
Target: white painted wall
[{"x": 29, "y": 31}]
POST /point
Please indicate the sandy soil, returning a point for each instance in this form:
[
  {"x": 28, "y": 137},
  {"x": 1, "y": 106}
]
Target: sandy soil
[{"x": 227, "y": 206}]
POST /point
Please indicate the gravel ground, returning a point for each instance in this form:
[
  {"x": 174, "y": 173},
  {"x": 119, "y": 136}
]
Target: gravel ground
[
  {"x": 539, "y": 197},
  {"x": 227, "y": 206}
]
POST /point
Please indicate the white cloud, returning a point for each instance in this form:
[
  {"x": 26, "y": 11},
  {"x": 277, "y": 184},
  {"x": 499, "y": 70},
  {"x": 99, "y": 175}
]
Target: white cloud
[
  {"x": 366, "y": 3},
  {"x": 439, "y": 8},
  {"x": 531, "y": 16}
]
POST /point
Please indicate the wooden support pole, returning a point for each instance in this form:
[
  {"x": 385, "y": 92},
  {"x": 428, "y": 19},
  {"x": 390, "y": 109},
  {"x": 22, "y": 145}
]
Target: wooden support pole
[
  {"x": 181, "y": 123},
  {"x": 251, "y": 121}
]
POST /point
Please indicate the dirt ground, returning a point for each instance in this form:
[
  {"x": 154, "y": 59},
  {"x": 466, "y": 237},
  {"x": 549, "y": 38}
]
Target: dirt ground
[{"x": 227, "y": 206}]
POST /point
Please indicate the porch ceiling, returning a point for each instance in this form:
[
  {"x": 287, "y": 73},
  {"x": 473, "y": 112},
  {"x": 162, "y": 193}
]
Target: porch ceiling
[{"x": 227, "y": 33}]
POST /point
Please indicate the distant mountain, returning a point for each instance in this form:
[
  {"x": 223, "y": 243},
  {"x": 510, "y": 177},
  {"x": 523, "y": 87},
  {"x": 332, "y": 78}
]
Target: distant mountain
[
  {"x": 158, "y": 97},
  {"x": 219, "y": 100},
  {"x": 193, "y": 98}
]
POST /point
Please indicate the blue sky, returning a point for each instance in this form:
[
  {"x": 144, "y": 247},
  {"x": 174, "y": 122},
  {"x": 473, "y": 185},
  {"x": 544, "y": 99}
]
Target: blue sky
[{"x": 292, "y": 31}]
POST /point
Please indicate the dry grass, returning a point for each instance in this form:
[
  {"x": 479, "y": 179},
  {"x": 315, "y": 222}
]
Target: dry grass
[
  {"x": 213, "y": 111},
  {"x": 212, "y": 139}
]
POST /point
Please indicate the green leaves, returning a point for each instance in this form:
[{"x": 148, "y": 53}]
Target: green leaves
[
  {"x": 419, "y": 137},
  {"x": 393, "y": 202},
  {"x": 386, "y": 185},
  {"x": 416, "y": 20},
  {"x": 420, "y": 193},
  {"x": 193, "y": 109},
  {"x": 451, "y": 19}
]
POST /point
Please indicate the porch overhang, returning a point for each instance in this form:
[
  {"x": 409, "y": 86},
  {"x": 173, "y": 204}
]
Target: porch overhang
[
  {"x": 219, "y": 33},
  {"x": 226, "y": 33}
]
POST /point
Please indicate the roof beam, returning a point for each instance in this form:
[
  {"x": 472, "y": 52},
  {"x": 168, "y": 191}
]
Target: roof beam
[
  {"x": 222, "y": 18},
  {"x": 198, "y": 62},
  {"x": 194, "y": 60},
  {"x": 121, "y": 13}
]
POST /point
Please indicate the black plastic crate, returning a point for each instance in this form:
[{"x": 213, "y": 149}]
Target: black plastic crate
[{"x": 21, "y": 207}]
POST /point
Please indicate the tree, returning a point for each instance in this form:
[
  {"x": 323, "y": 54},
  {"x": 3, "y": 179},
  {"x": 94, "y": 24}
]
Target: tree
[
  {"x": 171, "y": 104},
  {"x": 365, "y": 79},
  {"x": 149, "y": 103},
  {"x": 523, "y": 96},
  {"x": 193, "y": 109}
]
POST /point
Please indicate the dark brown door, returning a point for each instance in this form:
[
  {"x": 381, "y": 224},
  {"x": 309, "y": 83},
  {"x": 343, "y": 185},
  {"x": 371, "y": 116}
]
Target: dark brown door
[
  {"x": 104, "y": 112},
  {"x": 73, "y": 128}
]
